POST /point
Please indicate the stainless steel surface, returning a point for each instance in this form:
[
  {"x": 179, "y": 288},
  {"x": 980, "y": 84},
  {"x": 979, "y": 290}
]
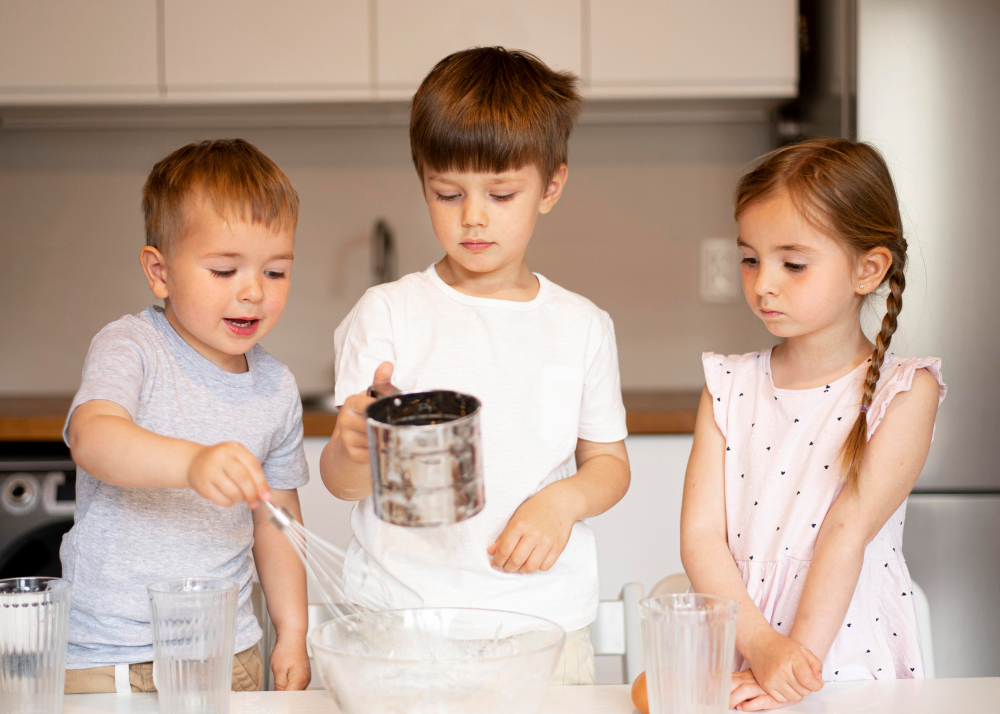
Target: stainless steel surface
[
  {"x": 928, "y": 72},
  {"x": 426, "y": 458},
  {"x": 952, "y": 548}
]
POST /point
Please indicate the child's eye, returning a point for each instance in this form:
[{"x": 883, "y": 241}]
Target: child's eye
[
  {"x": 795, "y": 267},
  {"x": 223, "y": 273},
  {"x": 503, "y": 197},
  {"x": 450, "y": 197},
  {"x": 749, "y": 261},
  {"x": 275, "y": 274}
]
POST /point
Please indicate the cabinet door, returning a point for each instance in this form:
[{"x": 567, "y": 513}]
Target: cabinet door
[
  {"x": 261, "y": 50},
  {"x": 77, "y": 51},
  {"x": 413, "y": 35},
  {"x": 679, "y": 48}
]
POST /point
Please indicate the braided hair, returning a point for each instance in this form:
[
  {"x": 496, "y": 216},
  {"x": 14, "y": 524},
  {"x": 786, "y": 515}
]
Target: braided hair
[{"x": 844, "y": 189}]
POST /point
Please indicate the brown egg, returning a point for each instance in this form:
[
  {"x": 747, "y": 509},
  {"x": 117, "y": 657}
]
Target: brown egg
[{"x": 639, "y": 698}]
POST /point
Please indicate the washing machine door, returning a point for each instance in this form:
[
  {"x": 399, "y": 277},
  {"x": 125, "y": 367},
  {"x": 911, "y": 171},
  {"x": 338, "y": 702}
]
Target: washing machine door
[
  {"x": 37, "y": 501},
  {"x": 35, "y": 552}
]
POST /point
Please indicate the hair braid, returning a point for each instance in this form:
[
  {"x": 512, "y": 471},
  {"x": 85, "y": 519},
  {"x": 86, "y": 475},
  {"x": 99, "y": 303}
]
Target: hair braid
[{"x": 853, "y": 451}]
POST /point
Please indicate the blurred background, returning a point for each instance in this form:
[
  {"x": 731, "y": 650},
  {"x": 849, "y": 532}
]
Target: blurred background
[{"x": 681, "y": 97}]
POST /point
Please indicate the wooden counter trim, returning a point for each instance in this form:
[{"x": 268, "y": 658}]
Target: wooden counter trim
[{"x": 41, "y": 418}]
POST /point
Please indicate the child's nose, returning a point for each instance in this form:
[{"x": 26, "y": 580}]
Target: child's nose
[
  {"x": 474, "y": 214},
  {"x": 765, "y": 283},
  {"x": 250, "y": 291}
]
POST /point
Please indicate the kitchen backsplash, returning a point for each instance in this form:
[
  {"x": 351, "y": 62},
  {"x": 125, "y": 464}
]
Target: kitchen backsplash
[{"x": 625, "y": 234}]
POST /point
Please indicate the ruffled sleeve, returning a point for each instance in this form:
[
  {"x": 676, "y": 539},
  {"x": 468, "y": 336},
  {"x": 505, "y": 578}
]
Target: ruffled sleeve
[
  {"x": 899, "y": 378},
  {"x": 715, "y": 370}
]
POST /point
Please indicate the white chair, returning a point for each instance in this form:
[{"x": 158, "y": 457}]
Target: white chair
[
  {"x": 679, "y": 583},
  {"x": 676, "y": 583},
  {"x": 616, "y": 630}
]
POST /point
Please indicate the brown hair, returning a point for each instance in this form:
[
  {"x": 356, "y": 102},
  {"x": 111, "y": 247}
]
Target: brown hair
[
  {"x": 239, "y": 180},
  {"x": 843, "y": 188},
  {"x": 492, "y": 109}
]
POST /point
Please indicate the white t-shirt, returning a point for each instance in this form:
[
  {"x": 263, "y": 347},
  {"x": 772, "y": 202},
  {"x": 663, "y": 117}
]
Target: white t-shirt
[{"x": 546, "y": 372}]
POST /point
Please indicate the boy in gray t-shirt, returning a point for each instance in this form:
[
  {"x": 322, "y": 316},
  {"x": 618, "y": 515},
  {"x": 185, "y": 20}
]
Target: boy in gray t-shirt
[{"x": 183, "y": 424}]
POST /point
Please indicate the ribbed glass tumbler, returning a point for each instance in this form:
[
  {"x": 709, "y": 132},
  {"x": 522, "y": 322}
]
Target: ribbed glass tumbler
[
  {"x": 688, "y": 642},
  {"x": 194, "y": 632},
  {"x": 34, "y": 613}
]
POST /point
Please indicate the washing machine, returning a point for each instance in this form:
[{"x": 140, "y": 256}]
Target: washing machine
[{"x": 37, "y": 502}]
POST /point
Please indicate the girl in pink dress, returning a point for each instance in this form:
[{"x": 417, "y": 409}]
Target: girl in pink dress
[{"x": 804, "y": 454}]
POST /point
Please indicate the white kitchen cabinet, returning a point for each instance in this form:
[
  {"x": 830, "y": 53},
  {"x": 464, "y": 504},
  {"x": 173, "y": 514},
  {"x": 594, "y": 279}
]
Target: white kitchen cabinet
[
  {"x": 413, "y": 35},
  {"x": 263, "y": 51},
  {"x": 684, "y": 49},
  {"x": 78, "y": 51}
]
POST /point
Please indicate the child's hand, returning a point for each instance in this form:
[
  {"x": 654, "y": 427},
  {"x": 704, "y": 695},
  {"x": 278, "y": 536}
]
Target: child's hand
[
  {"x": 784, "y": 669},
  {"x": 351, "y": 429},
  {"x": 290, "y": 664},
  {"x": 746, "y": 695},
  {"x": 228, "y": 473},
  {"x": 535, "y": 536}
]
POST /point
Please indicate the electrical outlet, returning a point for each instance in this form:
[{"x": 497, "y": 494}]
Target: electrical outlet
[{"x": 719, "y": 271}]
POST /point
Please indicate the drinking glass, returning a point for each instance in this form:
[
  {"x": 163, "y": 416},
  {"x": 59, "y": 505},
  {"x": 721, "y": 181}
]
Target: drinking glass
[
  {"x": 194, "y": 633},
  {"x": 34, "y": 613},
  {"x": 688, "y": 641}
]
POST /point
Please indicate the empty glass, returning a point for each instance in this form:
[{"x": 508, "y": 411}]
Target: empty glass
[
  {"x": 34, "y": 613},
  {"x": 194, "y": 634},
  {"x": 688, "y": 642}
]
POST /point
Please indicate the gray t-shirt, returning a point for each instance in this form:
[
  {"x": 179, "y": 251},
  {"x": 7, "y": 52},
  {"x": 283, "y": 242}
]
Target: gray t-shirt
[{"x": 125, "y": 538}]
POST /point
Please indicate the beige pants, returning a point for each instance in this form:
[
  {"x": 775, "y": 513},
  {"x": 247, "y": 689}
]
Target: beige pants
[
  {"x": 247, "y": 675},
  {"x": 576, "y": 665}
]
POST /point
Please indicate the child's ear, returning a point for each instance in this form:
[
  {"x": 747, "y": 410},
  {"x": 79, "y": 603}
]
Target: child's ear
[
  {"x": 874, "y": 266},
  {"x": 554, "y": 189},
  {"x": 155, "y": 268}
]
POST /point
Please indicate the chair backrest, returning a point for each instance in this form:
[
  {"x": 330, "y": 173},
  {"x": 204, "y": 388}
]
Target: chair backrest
[
  {"x": 616, "y": 630},
  {"x": 923, "y": 608},
  {"x": 676, "y": 583}
]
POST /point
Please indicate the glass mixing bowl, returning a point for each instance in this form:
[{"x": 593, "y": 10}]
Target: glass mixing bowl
[{"x": 440, "y": 660}]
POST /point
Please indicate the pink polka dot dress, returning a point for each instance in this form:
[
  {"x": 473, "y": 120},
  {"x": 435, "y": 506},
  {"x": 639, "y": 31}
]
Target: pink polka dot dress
[{"x": 782, "y": 474}]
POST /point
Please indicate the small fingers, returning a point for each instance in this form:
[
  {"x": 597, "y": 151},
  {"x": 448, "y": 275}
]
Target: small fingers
[
  {"x": 216, "y": 495},
  {"x": 519, "y": 555},
  {"x": 761, "y": 703},
  {"x": 535, "y": 559},
  {"x": 744, "y": 691},
  {"x": 257, "y": 488},
  {"x": 550, "y": 559},
  {"x": 815, "y": 669},
  {"x": 505, "y": 545}
]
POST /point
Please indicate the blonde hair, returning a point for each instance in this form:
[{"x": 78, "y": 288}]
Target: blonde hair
[
  {"x": 843, "y": 188},
  {"x": 235, "y": 176}
]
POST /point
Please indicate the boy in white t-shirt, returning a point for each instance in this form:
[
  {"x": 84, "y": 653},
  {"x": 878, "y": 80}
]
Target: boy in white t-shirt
[{"x": 488, "y": 131}]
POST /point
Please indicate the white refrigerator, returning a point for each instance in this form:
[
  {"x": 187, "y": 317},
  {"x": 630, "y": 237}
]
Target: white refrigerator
[{"x": 928, "y": 96}]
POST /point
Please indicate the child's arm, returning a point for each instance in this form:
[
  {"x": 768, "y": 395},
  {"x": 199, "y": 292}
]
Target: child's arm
[
  {"x": 344, "y": 465},
  {"x": 107, "y": 444},
  {"x": 283, "y": 580},
  {"x": 538, "y": 531},
  {"x": 784, "y": 669},
  {"x": 893, "y": 461}
]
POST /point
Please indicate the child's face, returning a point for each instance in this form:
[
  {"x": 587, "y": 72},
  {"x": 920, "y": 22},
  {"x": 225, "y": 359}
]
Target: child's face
[
  {"x": 225, "y": 283},
  {"x": 797, "y": 279},
  {"x": 484, "y": 220}
]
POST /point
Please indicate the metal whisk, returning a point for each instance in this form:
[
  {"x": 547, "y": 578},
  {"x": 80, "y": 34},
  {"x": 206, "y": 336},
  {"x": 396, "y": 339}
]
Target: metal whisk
[{"x": 332, "y": 570}]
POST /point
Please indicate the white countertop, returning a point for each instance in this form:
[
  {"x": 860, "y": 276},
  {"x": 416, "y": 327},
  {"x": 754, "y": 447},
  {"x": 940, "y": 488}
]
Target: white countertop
[{"x": 914, "y": 696}]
